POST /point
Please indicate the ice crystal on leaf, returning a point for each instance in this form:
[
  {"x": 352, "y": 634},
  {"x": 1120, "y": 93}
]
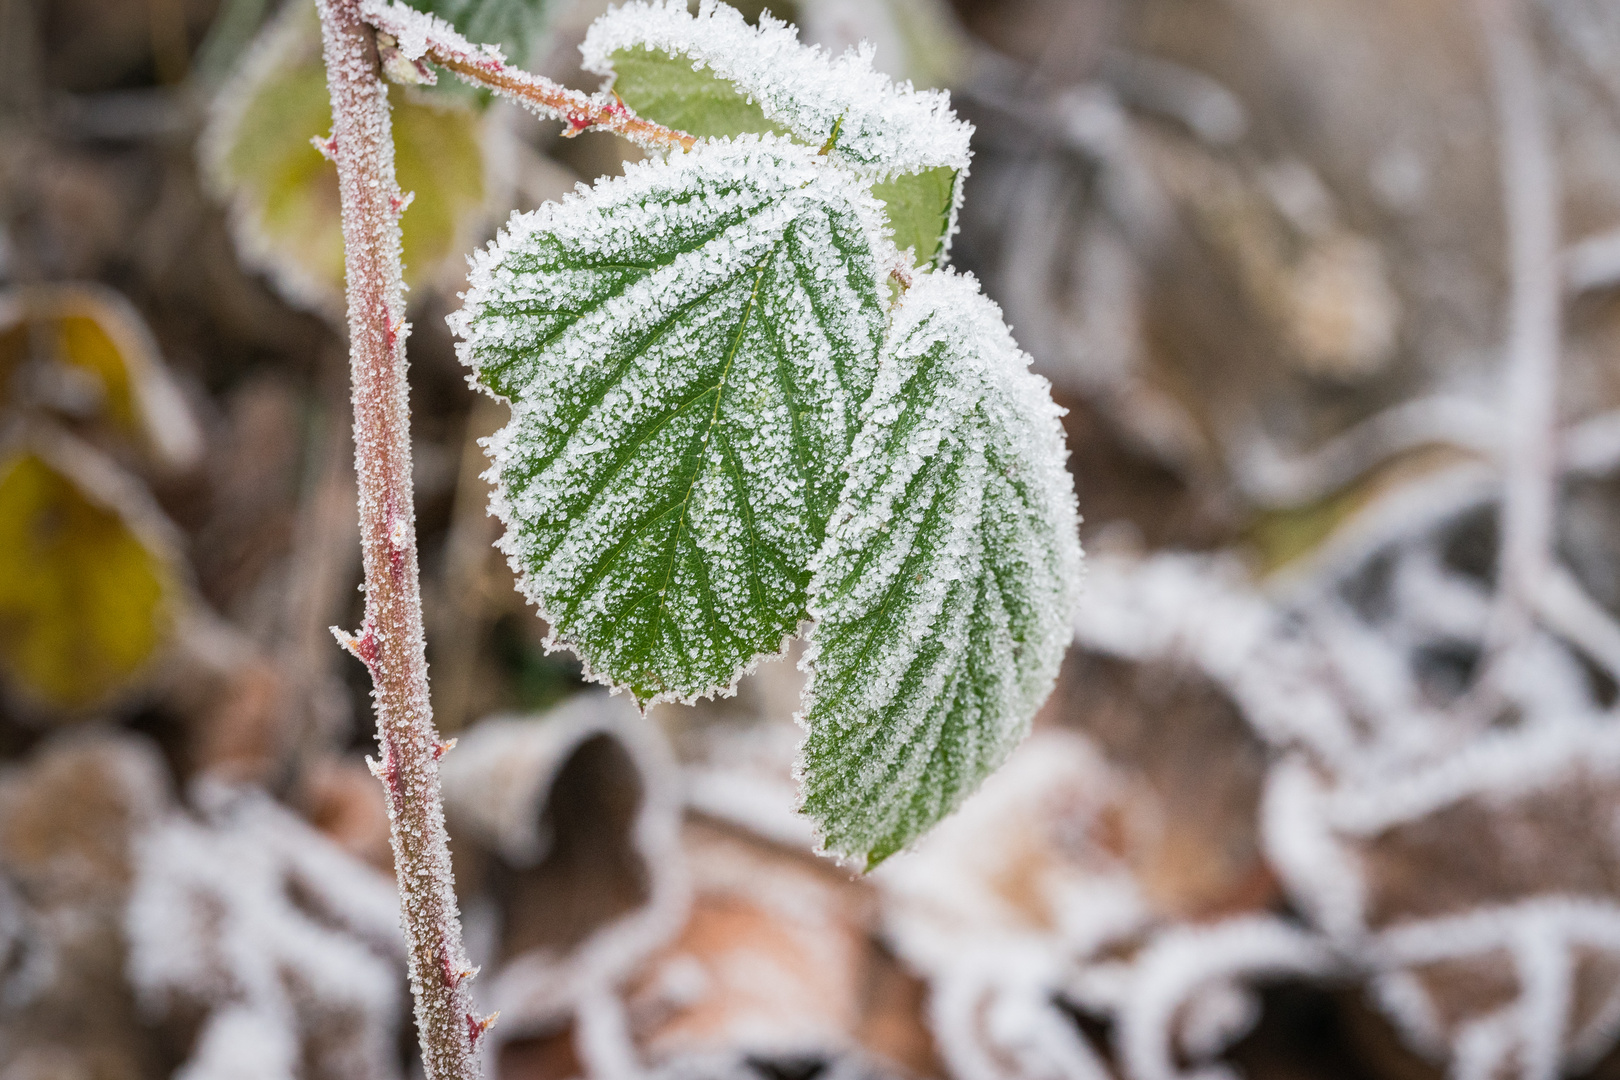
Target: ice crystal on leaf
[
  {"x": 685, "y": 350},
  {"x": 721, "y": 428},
  {"x": 944, "y": 593},
  {"x": 713, "y": 75}
]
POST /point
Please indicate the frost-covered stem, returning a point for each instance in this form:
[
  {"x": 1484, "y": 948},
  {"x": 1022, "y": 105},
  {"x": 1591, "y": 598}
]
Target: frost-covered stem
[
  {"x": 1530, "y": 203},
  {"x": 420, "y": 36},
  {"x": 390, "y": 644}
]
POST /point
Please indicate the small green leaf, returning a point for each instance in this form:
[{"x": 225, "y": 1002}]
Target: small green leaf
[
  {"x": 666, "y": 88},
  {"x": 944, "y": 593},
  {"x": 920, "y": 208},
  {"x": 685, "y": 349}
]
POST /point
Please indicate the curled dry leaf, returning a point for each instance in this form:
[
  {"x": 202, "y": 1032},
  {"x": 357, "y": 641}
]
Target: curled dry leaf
[
  {"x": 83, "y": 354},
  {"x": 569, "y": 820}
]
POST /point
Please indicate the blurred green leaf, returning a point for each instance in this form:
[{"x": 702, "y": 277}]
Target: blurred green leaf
[{"x": 283, "y": 194}]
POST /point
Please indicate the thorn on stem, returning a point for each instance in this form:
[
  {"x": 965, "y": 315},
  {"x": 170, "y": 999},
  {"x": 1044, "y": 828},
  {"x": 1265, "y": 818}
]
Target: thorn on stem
[
  {"x": 441, "y": 749},
  {"x": 387, "y": 770},
  {"x": 476, "y": 1027},
  {"x": 453, "y": 977},
  {"x": 326, "y": 146},
  {"x": 363, "y": 648}
]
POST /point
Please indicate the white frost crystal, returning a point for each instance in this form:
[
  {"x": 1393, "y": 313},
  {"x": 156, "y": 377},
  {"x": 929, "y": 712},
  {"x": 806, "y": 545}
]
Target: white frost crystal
[
  {"x": 944, "y": 593},
  {"x": 685, "y": 349},
  {"x": 883, "y": 130},
  {"x": 706, "y": 450}
]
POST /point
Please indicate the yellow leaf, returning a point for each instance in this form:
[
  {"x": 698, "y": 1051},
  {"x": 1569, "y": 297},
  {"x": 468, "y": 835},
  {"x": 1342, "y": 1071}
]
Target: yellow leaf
[{"x": 85, "y": 599}]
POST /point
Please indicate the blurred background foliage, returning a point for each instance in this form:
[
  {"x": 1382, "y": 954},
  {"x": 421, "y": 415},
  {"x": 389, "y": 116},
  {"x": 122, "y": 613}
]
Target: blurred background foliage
[{"x": 1322, "y": 791}]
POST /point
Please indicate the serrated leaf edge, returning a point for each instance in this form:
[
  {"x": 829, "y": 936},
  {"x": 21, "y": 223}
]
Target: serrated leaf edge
[
  {"x": 519, "y": 226},
  {"x": 919, "y": 126}
]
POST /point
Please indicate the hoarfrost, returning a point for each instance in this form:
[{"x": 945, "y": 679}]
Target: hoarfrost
[
  {"x": 685, "y": 349},
  {"x": 882, "y": 130},
  {"x": 944, "y": 591}
]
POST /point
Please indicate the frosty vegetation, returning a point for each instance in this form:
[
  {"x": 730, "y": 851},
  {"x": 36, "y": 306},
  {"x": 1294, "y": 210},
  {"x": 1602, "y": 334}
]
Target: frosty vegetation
[{"x": 726, "y": 421}]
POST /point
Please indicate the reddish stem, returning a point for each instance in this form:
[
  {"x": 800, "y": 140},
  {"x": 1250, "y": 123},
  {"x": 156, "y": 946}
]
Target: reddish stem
[
  {"x": 484, "y": 66},
  {"x": 392, "y": 643}
]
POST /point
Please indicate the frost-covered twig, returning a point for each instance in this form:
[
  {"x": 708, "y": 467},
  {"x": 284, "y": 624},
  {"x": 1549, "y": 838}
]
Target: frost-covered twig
[
  {"x": 420, "y": 36},
  {"x": 1530, "y": 197},
  {"x": 391, "y": 644},
  {"x": 1272, "y": 478}
]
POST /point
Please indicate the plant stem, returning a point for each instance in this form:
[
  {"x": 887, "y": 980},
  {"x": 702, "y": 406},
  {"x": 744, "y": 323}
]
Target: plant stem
[
  {"x": 484, "y": 66},
  {"x": 391, "y": 643}
]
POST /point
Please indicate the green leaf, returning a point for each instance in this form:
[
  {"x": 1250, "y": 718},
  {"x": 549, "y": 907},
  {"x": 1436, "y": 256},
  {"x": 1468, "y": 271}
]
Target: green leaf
[
  {"x": 920, "y": 206},
  {"x": 685, "y": 349},
  {"x": 283, "y": 194},
  {"x": 713, "y": 76},
  {"x": 667, "y": 89},
  {"x": 921, "y": 209},
  {"x": 944, "y": 594}
]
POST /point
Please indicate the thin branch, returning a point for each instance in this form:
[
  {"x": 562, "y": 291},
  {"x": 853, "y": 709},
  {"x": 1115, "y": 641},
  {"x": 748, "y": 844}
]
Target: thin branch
[
  {"x": 1272, "y": 478},
  {"x": 1567, "y": 609},
  {"x": 1530, "y": 201},
  {"x": 420, "y": 36},
  {"x": 391, "y": 643}
]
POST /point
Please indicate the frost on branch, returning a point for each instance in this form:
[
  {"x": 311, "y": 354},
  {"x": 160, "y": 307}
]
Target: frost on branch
[
  {"x": 685, "y": 349},
  {"x": 713, "y": 75},
  {"x": 944, "y": 592}
]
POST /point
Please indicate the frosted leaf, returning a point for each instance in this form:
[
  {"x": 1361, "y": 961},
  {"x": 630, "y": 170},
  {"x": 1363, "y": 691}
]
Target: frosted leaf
[
  {"x": 712, "y": 75},
  {"x": 944, "y": 592},
  {"x": 685, "y": 349},
  {"x": 883, "y": 129},
  {"x": 515, "y": 25}
]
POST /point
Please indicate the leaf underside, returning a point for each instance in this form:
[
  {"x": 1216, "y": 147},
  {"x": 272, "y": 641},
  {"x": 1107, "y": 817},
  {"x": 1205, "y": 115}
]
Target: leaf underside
[
  {"x": 685, "y": 350},
  {"x": 666, "y": 88},
  {"x": 515, "y": 25},
  {"x": 944, "y": 594}
]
